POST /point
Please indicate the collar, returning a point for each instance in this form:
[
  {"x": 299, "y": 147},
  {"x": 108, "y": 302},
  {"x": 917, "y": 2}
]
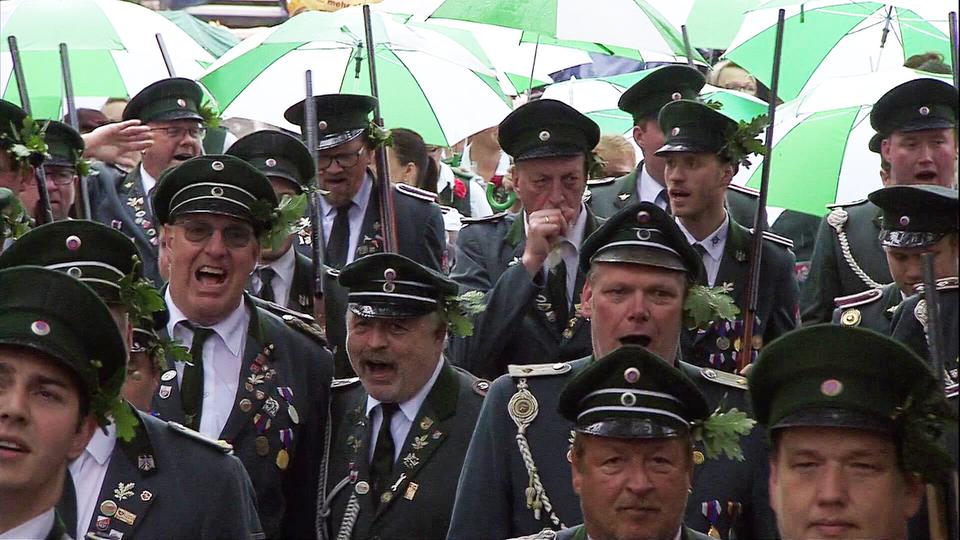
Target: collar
[
  {"x": 714, "y": 243},
  {"x": 148, "y": 181},
  {"x": 360, "y": 198},
  {"x": 647, "y": 187},
  {"x": 503, "y": 166},
  {"x": 411, "y": 407},
  {"x": 101, "y": 444},
  {"x": 37, "y": 527},
  {"x": 283, "y": 265},
  {"x": 232, "y": 329},
  {"x": 445, "y": 176},
  {"x": 575, "y": 233}
]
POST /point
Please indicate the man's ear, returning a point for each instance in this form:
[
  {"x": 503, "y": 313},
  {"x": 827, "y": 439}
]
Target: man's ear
[
  {"x": 885, "y": 149},
  {"x": 637, "y": 133},
  {"x": 586, "y": 295},
  {"x": 82, "y": 437}
]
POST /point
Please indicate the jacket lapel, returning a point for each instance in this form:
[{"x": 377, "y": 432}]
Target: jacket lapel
[
  {"x": 735, "y": 261},
  {"x": 892, "y": 301},
  {"x": 628, "y": 191},
  {"x": 167, "y": 403},
  {"x": 371, "y": 232},
  {"x": 299, "y": 299},
  {"x": 135, "y": 204}
]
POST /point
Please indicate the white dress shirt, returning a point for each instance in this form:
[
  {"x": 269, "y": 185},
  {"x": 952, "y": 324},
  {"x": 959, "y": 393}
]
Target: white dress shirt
[
  {"x": 399, "y": 423},
  {"x": 714, "y": 244},
  {"x": 477, "y": 190},
  {"x": 88, "y": 472},
  {"x": 222, "y": 360},
  {"x": 357, "y": 210},
  {"x": 149, "y": 182},
  {"x": 650, "y": 190},
  {"x": 36, "y": 528},
  {"x": 283, "y": 266},
  {"x": 568, "y": 249}
]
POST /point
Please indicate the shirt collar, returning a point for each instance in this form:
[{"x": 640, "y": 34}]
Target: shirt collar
[
  {"x": 283, "y": 265},
  {"x": 445, "y": 177},
  {"x": 149, "y": 182},
  {"x": 411, "y": 407},
  {"x": 37, "y": 527},
  {"x": 648, "y": 188},
  {"x": 101, "y": 444},
  {"x": 714, "y": 243},
  {"x": 232, "y": 329},
  {"x": 360, "y": 198}
]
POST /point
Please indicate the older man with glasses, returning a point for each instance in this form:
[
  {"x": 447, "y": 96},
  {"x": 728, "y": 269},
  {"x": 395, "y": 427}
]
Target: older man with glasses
[{"x": 64, "y": 147}]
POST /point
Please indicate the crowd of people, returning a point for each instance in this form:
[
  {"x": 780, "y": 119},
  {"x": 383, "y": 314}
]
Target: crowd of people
[{"x": 529, "y": 336}]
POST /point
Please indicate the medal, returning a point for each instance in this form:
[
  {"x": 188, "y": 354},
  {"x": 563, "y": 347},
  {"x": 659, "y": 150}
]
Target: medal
[
  {"x": 711, "y": 510},
  {"x": 108, "y": 508},
  {"x": 262, "y": 446},
  {"x": 246, "y": 405},
  {"x": 287, "y": 394},
  {"x": 283, "y": 459},
  {"x": 283, "y": 456}
]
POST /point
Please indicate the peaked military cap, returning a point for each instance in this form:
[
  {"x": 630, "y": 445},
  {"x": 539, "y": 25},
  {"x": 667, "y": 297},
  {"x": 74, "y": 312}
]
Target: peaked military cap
[
  {"x": 341, "y": 118},
  {"x": 216, "y": 184},
  {"x": 11, "y": 117},
  {"x": 691, "y": 126},
  {"x": 53, "y": 313},
  {"x": 64, "y": 144},
  {"x": 547, "y": 128},
  {"x": 632, "y": 394},
  {"x": 641, "y": 233},
  {"x": 278, "y": 154},
  {"x": 916, "y": 216},
  {"x": 167, "y": 99},
  {"x": 89, "y": 251},
  {"x": 660, "y": 86},
  {"x": 915, "y": 105},
  {"x": 391, "y": 285},
  {"x": 874, "y": 144}
]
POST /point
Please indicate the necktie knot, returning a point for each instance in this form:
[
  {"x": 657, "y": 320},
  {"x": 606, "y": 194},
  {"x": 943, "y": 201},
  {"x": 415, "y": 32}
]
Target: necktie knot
[{"x": 266, "y": 283}]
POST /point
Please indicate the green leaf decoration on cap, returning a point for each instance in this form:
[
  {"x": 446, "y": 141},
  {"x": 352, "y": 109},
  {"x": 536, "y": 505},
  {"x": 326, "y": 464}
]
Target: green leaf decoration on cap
[
  {"x": 140, "y": 297},
  {"x": 707, "y": 305},
  {"x": 210, "y": 114},
  {"x": 279, "y": 223},
  {"x": 82, "y": 166},
  {"x": 379, "y": 136},
  {"x": 742, "y": 141},
  {"x": 28, "y": 144},
  {"x": 14, "y": 221},
  {"x": 457, "y": 311},
  {"x": 161, "y": 347},
  {"x": 109, "y": 406},
  {"x": 720, "y": 433},
  {"x": 921, "y": 423}
]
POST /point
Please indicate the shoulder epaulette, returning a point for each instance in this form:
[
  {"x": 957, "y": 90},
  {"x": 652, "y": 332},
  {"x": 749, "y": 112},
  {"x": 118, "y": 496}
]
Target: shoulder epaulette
[
  {"x": 722, "y": 377},
  {"x": 416, "y": 193},
  {"x": 851, "y": 203},
  {"x": 601, "y": 181},
  {"x": 943, "y": 284},
  {"x": 858, "y": 299},
  {"x": 491, "y": 217},
  {"x": 546, "y": 534},
  {"x": 344, "y": 383},
  {"x": 280, "y": 310},
  {"x": 777, "y": 239},
  {"x": 220, "y": 445},
  {"x": 311, "y": 329},
  {"x": 538, "y": 370},
  {"x": 744, "y": 189}
]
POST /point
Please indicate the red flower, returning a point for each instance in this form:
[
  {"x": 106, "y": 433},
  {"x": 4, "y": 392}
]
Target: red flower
[
  {"x": 459, "y": 188},
  {"x": 497, "y": 180}
]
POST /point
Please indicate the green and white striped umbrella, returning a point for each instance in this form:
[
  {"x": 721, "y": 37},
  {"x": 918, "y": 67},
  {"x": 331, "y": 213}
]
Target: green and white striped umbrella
[
  {"x": 113, "y": 51},
  {"x": 428, "y": 82},
  {"x": 836, "y": 38}
]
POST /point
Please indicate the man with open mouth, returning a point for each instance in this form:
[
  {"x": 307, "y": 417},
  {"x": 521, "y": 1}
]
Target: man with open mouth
[
  {"x": 916, "y": 124},
  {"x": 251, "y": 380},
  {"x": 639, "y": 273}
]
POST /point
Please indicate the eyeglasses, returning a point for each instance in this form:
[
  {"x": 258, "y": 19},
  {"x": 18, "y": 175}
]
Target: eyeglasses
[
  {"x": 343, "y": 160},
  {"x": 61, "y": 176},
  {"x": 199, "y": 231},
  {"x": 178, "y": 132}
]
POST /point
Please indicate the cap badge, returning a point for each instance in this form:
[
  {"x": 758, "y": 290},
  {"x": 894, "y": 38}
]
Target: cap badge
[
  {"x": 643, "y": 234},
  {"x": 643, "y": 216},
  {"x": 628, "y": 399},
  {"x": 182, "y": 102},
  {"x": 675, "y": 131},
  {"x": 831, "y": 388},
  {"x": 40, "y": 328},
  {"x": 217, "y": 166},
  {"x": 74, "y": 272},
  {"x": 322, "y": 125},
  {"x": 904, "y": 221},
  {"x": 390, "y": 275},
  {"x": 544, "y": 135},
  {"x": 271, "y": 162},
  {"x": 676, "y": 96},
  {"x": 216, "y": 191},
  {"x": 73, "y": 242},
  {"x": 924, "y": 111},
  {"x": 631, "y": 375}
]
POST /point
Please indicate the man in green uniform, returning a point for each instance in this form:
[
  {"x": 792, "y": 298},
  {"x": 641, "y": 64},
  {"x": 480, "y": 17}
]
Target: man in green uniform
[
  {"x": 516, "y": 479},
  {"x": 916, "y": 122},
  {"x": 914, "y": 220},
  {"x": 284, "y": 275},
  {"x": 64, "y": 151},
  {"x": 60, "y": 372},
  {"x": 701, "y": 156},
  {"x": 855, "y": 419},
  {"x": 643, "y": 101}
]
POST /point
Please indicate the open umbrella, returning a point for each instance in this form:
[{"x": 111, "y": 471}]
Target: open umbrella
[
  {"x": 833, "y": 38},
  {"x": 427, "y": 82},
  {"x": 215, "y": 39},
  {"x": 710, "y": 24},
  {"x": 113, "y": 51}
]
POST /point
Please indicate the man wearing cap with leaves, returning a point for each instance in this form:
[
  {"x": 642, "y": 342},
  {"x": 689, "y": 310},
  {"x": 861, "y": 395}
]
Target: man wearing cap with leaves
[
  {"x": 702, "y": 152},
  {"x": 168, "y": 468},
  {"x": 350, "y": 208},
  {"x": 251, "y": 380},
  {"x": 401, "y": 428},
  {"x": 639, "y": 290},
  {"x": 855, "y": 419},
  {"x": 643, "y": 102},
  {"x": 63, "y": 167},
  {"x": 171, "y": 108},
  {"x": 916, "y": 124},
  {"x": 284, "y": 275},
  {"x": 16, "y": 174}
]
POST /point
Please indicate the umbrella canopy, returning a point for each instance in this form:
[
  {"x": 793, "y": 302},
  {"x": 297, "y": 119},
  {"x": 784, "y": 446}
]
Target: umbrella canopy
[
  {"x": 832, "y": 38},
  {"x": 428, "y": 82},
  {"x": 113, "y": 51},
  {"x": 710, "y": 24},
  {"x": 215, "y": 39}
]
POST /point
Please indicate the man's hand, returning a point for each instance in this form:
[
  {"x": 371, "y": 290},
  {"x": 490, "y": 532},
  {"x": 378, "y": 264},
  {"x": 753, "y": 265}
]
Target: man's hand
[
  {"x": 110, "y": 142},
  {"x": 544, "y": 230}
]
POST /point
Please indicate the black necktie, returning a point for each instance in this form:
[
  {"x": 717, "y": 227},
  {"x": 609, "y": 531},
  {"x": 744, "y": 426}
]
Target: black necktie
[
  {"x": 666, "y": 201},
  {"x": 698, "y": 247},
  {"x": 191, "y": 387},
  {"x": 266, "y": 284},
  {"x": 381, "y": 468},
  {"x": 557, "y": 289},
  {"x": 339, "y": 243}
]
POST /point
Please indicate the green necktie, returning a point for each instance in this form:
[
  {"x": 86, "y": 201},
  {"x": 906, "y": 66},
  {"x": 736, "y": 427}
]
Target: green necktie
[
  {"x": 381, "y": 468},
  {"x": 191, "y": 388},
  {"x": 557, "y": 291}
]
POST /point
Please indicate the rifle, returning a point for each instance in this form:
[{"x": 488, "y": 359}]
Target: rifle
[
  {"x": 166, "y": 56},
  {"x": 36, "y": 161},
  {"x": 316, "y": 224},
  {"x": 745, "y": 357},
  {"x": 83, "y": 195},
  {"x": 388, "y": 214},
  {"x": 954, "y": 48},
  {"x": 686, "y": 45}
]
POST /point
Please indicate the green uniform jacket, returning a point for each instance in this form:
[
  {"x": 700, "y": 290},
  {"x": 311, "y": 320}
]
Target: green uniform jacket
[
  {"x": 275, "y": 357},
  {"x": 424, "y": 478},
  {"x": 122, "y": 204},
  {"x": 801, "y": 229},
  {"x": 777, "y": 300},
  {"x": 831, "y": 273},
  {"x": 515, "y": 327},
  {"x": 492, "y": 494},
  {"x": 608, "y": 197},
  {"x": 180, "y": 487},
  {"x": 871, "y": 309},
  {"x": 580, "y": 533}
]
